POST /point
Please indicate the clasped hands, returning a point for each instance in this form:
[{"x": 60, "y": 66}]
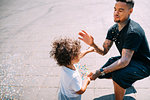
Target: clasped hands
[
  {"x": 93, "y": 75},
  {"x": 89, "y": 40}
]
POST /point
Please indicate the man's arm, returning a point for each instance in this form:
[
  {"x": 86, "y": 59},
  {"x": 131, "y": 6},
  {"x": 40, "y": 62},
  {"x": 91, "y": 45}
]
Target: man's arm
[
  {"x": 122, "y": 62},
  {"x": 88, "y": 39},
  {"x": 119, "y": 64},
  {"x": 103, "y": 50}
]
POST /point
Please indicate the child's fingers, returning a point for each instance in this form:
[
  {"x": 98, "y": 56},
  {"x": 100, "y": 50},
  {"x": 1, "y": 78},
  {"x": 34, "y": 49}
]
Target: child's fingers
[
  {"x": 89, "y": 79},
  {"x": 90, "y": 74}
]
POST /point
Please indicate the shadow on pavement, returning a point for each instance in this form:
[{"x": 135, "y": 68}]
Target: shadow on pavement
[
  {"x": 112, "y": 96},
  {"x": 130, "y": 90}
]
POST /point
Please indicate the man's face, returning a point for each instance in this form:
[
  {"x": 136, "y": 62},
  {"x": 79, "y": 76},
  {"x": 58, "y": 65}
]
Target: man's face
[{"x": 121, "y": 12}]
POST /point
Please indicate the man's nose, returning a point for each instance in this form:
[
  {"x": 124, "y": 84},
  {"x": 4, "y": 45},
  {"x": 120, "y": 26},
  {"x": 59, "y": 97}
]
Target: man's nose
[{"x": 116, "y": 12}]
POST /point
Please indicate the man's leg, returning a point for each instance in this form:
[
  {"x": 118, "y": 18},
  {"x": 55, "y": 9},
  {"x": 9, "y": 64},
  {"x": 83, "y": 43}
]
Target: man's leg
[{"x": 119, "y": 91}]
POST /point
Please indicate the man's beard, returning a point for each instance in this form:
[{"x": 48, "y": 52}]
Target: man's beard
[{"x": 118, "y": 21}]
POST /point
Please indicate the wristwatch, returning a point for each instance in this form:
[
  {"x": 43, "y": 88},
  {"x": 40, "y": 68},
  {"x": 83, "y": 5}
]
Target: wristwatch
[{"x": 102, "y": 72}]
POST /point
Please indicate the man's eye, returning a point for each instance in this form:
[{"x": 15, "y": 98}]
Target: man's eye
[{"x": 114, "y": 9}]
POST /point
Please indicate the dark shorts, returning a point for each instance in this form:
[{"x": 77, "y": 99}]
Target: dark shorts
[{"x": 125, "y": 77}]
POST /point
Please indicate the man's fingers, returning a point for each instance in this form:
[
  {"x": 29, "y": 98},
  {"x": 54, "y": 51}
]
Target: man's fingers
[
  {"x": 80, "y": 38},
  {"x": 84, "y": 32},
  {"x": 81, "y": 34}
]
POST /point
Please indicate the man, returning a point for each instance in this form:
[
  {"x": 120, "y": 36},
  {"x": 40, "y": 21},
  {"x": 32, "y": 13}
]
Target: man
[{"x": 129, "y": 37}]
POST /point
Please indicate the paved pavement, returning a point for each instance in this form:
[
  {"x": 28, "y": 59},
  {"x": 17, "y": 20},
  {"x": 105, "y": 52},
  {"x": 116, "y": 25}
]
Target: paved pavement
[{"x": 27, "y": 28}]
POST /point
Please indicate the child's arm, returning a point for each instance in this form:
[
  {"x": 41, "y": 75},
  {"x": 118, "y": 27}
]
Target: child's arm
[
  {"x": 84, "y": 85},
  {"x": 83, "y": 53}
]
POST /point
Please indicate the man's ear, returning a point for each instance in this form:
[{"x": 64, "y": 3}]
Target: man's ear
[{"x": 131, "y": 10}]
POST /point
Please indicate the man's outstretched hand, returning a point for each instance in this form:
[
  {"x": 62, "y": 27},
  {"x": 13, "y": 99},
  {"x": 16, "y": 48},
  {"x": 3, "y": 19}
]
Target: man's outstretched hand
[{"x": 88, "y": 39}]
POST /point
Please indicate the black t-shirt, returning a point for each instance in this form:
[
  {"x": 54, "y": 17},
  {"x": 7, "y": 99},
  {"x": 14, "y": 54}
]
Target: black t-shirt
[{"x": 132, "y": 36}]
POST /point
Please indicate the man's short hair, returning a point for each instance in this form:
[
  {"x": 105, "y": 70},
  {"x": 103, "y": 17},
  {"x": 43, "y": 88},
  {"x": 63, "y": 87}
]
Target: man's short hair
[{"x": 128, "y": 2}]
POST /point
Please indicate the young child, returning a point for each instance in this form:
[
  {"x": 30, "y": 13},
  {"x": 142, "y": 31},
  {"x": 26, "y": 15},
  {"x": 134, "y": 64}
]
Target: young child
[{"x": 67, "y": 53}]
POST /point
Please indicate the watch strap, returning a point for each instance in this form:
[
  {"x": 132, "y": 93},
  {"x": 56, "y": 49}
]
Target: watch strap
[{"x": 102, "y": 72}]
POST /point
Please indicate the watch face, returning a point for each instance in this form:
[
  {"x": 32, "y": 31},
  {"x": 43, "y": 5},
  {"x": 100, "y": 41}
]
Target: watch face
[{"x": 101, "y": 70}]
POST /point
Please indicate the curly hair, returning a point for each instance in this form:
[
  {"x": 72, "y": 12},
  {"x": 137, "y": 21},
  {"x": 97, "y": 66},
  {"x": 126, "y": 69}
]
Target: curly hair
[{"x": 64, "y": 50}]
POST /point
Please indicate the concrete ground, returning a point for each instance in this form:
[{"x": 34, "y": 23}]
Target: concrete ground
[{"x": 27, "y": 28}]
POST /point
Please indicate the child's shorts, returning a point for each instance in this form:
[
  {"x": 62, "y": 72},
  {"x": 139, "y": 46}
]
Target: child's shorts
[
  {"x": 125, "y": 77},
  {"x": 64, "y": 97}
]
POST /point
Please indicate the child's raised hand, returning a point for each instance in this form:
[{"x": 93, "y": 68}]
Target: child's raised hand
[
  {"x": 83, "y": 53},
  {"x": 91, "y": 49}
]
